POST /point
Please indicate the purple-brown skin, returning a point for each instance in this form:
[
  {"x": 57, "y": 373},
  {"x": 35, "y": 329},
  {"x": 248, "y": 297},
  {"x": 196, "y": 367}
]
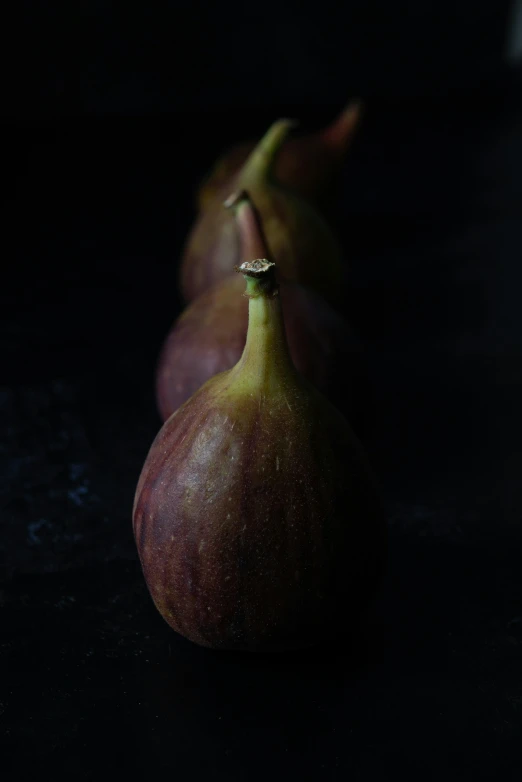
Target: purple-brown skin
[
  {"x": 307, "y": 164},
  {"x": 210, "y": 335},
  {"x": 296, "y": 233},
  {"x": 256, "y": 519}
]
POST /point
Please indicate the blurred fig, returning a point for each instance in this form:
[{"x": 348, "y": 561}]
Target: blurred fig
[
  {"x": 308, "y": 164},
  {"x": 299, "y": 239}
]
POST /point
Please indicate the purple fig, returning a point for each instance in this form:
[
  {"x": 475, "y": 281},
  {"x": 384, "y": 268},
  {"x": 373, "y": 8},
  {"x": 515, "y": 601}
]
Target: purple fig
[
  {"x": 209, "y": 336},
  {"x": 307, "y": 164},
  {"x": 296, "y": 233},
  {"x": 256, "y": 515}
]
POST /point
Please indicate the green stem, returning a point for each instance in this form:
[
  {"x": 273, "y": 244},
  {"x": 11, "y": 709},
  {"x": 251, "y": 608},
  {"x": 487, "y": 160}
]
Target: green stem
[
  {"x": 265, "y": 367},
  {"x": 266, "y": 361},
  {"x": 260, "y": 163}
]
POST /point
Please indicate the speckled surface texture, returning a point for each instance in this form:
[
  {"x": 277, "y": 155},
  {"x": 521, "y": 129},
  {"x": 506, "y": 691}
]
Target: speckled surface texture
[{"x": 94, "y": 685}]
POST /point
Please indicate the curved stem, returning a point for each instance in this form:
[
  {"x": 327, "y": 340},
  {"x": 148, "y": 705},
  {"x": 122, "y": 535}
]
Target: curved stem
[
  {"x": 265, "y": 364},
  {"x": 260, "y": 163},
  {"x": 251, "y": 234}
]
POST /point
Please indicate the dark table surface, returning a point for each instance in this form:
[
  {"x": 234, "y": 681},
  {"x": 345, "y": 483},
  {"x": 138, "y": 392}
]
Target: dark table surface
[{"x": 93, "y": 682}]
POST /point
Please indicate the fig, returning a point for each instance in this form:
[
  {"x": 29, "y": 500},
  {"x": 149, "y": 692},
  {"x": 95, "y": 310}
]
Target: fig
[
  {"x": 307, "y": 164},
  {"x": 210, "y": 335},
  {"x": 256, "y": 515},
  {"x": 297, "y": 235}
]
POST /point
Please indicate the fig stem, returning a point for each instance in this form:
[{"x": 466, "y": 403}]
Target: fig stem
[
  {"x": 260, "y": 278},
  {"x": 265, "y": 365},
  {"x": 248, "y": 221},
  {"x": 266, "y": 361},
  {"x": 260, "y": 163}
]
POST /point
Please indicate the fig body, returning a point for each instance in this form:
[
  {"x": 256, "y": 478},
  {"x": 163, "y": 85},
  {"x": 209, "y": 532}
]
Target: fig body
[
  {"x": 256, "y": 520},
  {"x": 297, "y": 234},
  {"x": 256, "y": 515}
]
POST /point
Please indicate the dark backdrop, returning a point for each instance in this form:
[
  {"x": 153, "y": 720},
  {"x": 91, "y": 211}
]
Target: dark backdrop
[
  {"x": 106, "y": 57},
  {"x": 110, "y": 118}
]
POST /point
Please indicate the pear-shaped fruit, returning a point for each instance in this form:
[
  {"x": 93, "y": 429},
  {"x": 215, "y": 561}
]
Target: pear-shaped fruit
[
  {"x": 256, "y": 516},
  {"x": 209, "y": 336},
  {"x": 307, "y": 164},
  {"x": 300, "y": 241}
]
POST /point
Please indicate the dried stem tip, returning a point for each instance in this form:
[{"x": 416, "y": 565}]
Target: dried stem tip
[
  {"x": 260, "y": 278},
  {"x": 258, "y": 268}
]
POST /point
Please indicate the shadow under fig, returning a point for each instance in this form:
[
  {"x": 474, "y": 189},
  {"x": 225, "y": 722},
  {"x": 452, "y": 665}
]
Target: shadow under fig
[{"x": 422, "y": 653}]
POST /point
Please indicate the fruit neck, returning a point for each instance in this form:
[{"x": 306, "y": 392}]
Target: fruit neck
[
  {"x": 265, "y": 364},
  {"x": 260, "y": 164}
]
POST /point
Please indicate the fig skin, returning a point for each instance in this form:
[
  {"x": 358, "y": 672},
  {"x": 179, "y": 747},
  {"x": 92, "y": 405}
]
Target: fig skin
[
  {"x": 209, "y": 337},
  {"x": 256, "y": 520},
  {"x": 297, "y": 234},
  {"x": 307, "y": 164},
  {"x": 256, "y": 515}
]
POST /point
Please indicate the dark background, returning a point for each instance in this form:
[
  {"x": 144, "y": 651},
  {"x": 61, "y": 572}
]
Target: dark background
[{"x": 110, "y": 118}]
